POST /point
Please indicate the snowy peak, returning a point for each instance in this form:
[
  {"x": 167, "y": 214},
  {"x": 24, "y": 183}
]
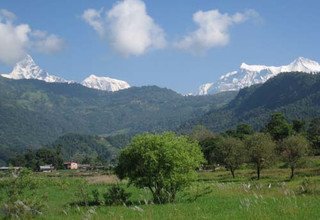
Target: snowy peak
[
  {"x": 28, "y": 69},
  {"x": 248, "y": 75},
  {"x": 104, "y": 83}
]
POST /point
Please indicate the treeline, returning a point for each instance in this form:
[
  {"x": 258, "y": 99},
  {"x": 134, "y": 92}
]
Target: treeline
[
  {"x": 84, "y": 149},
  {"x": 279, "y": 140}
]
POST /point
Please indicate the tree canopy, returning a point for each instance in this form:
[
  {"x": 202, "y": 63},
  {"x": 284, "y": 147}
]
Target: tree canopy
[{"x": 162, "y": 162}]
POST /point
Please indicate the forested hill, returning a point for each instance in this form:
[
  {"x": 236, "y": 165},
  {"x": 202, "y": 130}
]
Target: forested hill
[
  {"x": 297, "y": 95},
  {"x": 34, "y": 113}
]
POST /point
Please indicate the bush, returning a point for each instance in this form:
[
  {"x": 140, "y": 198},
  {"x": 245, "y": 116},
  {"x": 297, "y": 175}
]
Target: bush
[
  {"x": 116, "y": 195},
  {"x": 309, "y": 186},
  {"x": 18, "y": 205}
]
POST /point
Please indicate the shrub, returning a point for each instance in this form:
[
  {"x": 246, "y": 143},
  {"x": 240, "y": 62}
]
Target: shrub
[{"x": 116, "y": 195}]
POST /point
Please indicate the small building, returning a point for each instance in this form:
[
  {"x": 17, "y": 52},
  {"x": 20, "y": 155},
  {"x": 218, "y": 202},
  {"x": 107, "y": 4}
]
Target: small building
[
  {"x": 71, "y": 165},
  {"x": 46, "y": 168},
  {"x": 10, "y": 168}
]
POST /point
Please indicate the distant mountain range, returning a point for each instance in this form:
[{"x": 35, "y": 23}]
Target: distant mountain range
[
  {"x": 248, "y": 75},
  {"x": 28, "y": 69}
]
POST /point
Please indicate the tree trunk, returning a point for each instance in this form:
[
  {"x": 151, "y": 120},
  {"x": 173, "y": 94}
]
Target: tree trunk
[
  {"x": 292, "y": 173},
  {"x": 232, "y": 172}
]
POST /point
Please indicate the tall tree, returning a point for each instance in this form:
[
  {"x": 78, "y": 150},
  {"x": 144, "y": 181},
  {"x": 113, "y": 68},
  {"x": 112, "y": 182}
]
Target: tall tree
[
  {"x": 278, "y": 127},
  {"x": 294, "y": 148},
  {"x": 261, "y": 150}
]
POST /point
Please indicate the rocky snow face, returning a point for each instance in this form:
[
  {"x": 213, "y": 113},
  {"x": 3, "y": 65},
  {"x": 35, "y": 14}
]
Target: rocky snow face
[
  {"x": 105, "y": 83},
  {"x": 28, "y": 69},
  {"x": 248, "y": 75}
]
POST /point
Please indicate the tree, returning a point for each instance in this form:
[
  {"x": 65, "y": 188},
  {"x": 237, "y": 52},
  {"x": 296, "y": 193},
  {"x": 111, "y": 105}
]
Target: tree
[
  {"x": 314, "y": 134},
  {"x": 294, "y": 148},
  {"x": 231, "y": 153},
  {"x": 164, "y": 163},
  {"x": 298, "y": 126},
  {"x": 278, "y": 127},
  {"x": 209, "y": 149},
  {"x": 261, "y": 150},
  {"x": 201, "y": 133}
]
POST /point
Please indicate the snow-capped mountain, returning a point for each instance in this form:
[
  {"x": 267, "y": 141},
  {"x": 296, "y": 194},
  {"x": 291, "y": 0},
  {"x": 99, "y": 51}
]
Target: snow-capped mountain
[
  {"x": 248, "y": 75},
  {"x": 104, "y": 83},
  {"x": 28, "y": 69}
]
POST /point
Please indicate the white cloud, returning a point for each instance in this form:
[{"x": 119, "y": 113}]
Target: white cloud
[
  {"x": 130, "y": 30},
  {"x": 93, "y": 18},
  {"x": 213, "y": 30},
  {"x": 17, "y": 40},
  {"x": 47, "y": 43}
]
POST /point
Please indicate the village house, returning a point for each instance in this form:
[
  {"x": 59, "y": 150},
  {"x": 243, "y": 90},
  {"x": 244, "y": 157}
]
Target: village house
[
  {"x": 46, "y": 168},
  {"x": 71, "y": 165}
]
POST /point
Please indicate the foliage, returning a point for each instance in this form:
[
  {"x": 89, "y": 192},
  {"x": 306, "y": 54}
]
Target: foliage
[
  {"x": 278, "y": 127},
  {"x": 201, "y": 133},
  {"x": 261, "y": 151},
  {"x": 33, "y": 159},
  {"x": 314, "y": 135},
  {"x": 18, "y": 205},
  {"x": 87, "y": 149},
  {"x": 116, "y": 195},
  {"x": 34, "y": 113},
  {"x": 231, "y": 153},
  {"x": 163, "y": 163},
  {"x": 294, "y": 149}
]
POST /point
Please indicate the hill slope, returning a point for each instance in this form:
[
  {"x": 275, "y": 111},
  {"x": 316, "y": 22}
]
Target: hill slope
[
  {"x": 34, "y": 113},
  {"x": 295, "y": 94}
]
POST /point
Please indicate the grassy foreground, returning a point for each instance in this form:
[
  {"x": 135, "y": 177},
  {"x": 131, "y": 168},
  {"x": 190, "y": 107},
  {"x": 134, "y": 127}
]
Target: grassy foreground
[{"x": 215, "y": 195}]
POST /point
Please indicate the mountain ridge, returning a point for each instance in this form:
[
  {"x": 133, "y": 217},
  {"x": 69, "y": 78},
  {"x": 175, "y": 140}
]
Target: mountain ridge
[
  {"x": 248, "y": 75},
  {"x": 28, "y": 69}
]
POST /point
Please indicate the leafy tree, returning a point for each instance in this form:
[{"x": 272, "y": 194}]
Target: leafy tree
[
  {"x": 201, "y": 133},
  {"x": 314, "y": 134},
  {"x": 298, "y": 126},
  {"x": 163, "y": 163},
  {"x": 231, "y": 153},
  {"x": 209, "y": 149},
  {"x": 278, "y": 127},
  {"x": 294, "y": 148},
  {"x": 261, "y": 150},
  {"x": 241, "y": 131},
  {"x": 244, "y": 129}
]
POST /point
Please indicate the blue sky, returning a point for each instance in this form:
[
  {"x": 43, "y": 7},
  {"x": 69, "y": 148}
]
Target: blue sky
[{"x": 175, "y": 54}]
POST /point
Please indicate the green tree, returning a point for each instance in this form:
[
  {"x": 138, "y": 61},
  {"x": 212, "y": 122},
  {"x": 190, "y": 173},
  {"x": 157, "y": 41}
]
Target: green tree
[
  {"x": 294, "y": 148},
  {"x": 314, "y": 134},
  {"x": 164, "y": 163},
  {"x": 278, "y": 127},
  {"x": 298, "y": 126},
  {"x": 201, "y": 133},
  {"x": 209, "y": 149},
  {"x": 261, "y": 150},
  {"x": 231, "y": 153}
]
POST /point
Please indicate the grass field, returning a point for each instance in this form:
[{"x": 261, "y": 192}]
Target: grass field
[{"x": 215, "y": 195}]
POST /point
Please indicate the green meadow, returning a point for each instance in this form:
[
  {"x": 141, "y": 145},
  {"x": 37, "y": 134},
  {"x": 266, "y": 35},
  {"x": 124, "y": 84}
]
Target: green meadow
[{"x": 215, "y": 195}]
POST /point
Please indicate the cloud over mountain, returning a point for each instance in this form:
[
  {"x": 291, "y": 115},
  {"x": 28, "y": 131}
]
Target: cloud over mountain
[
  {"x": 213, "y": 30},
  {"x": 128, "y": 27},
  {"x": 17, "y": 39}
]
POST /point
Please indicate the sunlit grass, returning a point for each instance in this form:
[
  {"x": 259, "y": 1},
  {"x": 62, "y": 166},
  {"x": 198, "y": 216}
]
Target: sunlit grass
[{"x": 215, "y": 195}]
